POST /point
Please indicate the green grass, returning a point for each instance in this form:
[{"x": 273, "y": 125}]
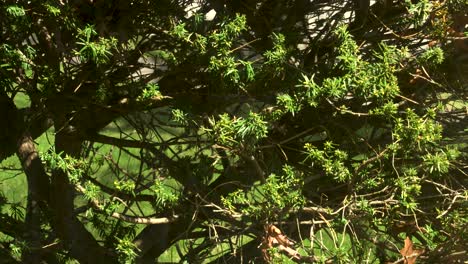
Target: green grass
[
  {"x": 14, "y": 186},
  {"x": 13, "y": 183}
]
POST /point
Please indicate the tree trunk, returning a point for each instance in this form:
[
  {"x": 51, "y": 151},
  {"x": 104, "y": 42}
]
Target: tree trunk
[
  {"x": 76, "y": 238},
  {"x": 38, "y": 183}
]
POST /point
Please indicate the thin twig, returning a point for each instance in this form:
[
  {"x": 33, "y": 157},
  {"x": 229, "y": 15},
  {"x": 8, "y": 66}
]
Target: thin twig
[
  {"x": 131, "y": 219},
  {"x": 346, "y": 110},
  {"x": 243, "y": 45}
]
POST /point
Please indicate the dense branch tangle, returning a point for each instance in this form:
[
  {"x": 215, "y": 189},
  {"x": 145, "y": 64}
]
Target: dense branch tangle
[{"x": 204, "y": 131}]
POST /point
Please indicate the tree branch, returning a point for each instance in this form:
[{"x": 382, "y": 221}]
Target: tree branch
[{"x": 131, "y": 219}]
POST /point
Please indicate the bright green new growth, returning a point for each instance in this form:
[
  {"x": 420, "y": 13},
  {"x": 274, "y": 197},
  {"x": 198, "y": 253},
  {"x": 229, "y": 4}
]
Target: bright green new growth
[
  {"x": 174, "y": 137},
  {"x": 271, "y": 200},
  {"x": 95, "y": 50}
]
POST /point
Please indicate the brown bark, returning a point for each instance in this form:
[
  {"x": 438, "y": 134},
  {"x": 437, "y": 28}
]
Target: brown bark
[
  {"x": 53, "y": 199},
  {"x": 38, "y": 183},
  {"x": 14, "y": 118},
  {"x": 17, "y": 139}
]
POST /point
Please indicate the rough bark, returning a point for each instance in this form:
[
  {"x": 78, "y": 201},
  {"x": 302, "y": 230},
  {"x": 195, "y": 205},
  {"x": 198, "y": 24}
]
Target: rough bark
[
  {"x": 18, "y": 139},
  {"x": 38, "y": 183},
  {"x": 15, "y": 119}
]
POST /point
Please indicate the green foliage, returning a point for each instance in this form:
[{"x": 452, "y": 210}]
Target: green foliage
[
  {"x": 73, "y": 167},
  {"x": 365, "y": 79},
  {"x": 410, "y": 187},
  {"x": 229, "y": 30},
  {"x": 348, "y": 49},
  {"x": 276, "y": 57},
  {"x": 438, "y": 163},
  {"x": 16, "y": 210},
  {"x": 151, "y": 91},
  {"x": 419, "y": 11},
  {"x": 225, "y": 63},
  {"x": 94, "y": 50},
  {"x": 227, "y": 66},
  {"x": 345, "y": 132},
  {"x": 417, "y": 131},
  {"x": 91, "y": 191},
  {"x": 433, "y": 56},
  {"x": 127, "y": 186},
  {"x": 18, "y": 58},
  {"x": 330, "y": 159},
  {"x": 127, "y": 251},
  {"x": 17, "y": 249},
  {"x": 311, "y": 90},
  {"x": 179, "y": 117},
  {"x": 55, "y": 11},
  {"x": 249, "y": 70},
  {"x": 270, "y": 200},
  {"x": 180, "y": 32},
  {"x": 15, "y": 11},
  {"x": 362, "y": 79},
  {"x": 250, "y": 129},
  {"x": 165, "y": 195},
  {"x": 387, "y": 110},
  {"x": 288, "y": 103}
]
